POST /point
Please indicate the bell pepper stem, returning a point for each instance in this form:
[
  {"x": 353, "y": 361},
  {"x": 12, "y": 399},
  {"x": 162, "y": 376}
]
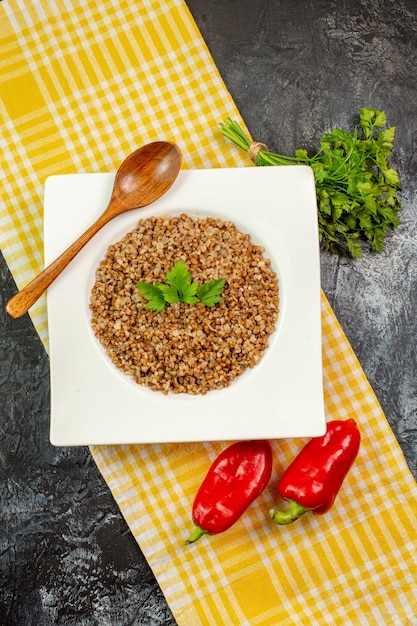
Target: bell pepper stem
[
  {"x": 196, "y": 534},
  {"x": 294, "y": 511}
]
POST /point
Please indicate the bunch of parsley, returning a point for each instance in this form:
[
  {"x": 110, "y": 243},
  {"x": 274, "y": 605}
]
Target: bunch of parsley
[
  {"x": 180, "y": 288},
  {"x": 356, "y": 187}
]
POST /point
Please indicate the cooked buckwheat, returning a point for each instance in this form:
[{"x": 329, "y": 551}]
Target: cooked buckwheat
[{"x": 185, "y": 348}]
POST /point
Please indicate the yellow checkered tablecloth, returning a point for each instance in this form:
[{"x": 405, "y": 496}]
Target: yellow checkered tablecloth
[{"x": 83, "y": 84}]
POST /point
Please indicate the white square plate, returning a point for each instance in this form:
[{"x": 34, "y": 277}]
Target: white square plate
[{"x": 282, "y": 396}]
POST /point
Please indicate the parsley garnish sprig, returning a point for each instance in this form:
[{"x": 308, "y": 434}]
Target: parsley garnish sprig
[
  {"x": 180, "y": 288},
  {"x": 356, "y": 187}
]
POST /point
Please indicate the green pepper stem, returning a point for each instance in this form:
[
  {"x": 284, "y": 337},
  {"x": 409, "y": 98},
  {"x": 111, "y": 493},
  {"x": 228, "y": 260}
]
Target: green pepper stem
[
  {"x": 286, "y": 517},
  {"x": 196, "y": 534}
]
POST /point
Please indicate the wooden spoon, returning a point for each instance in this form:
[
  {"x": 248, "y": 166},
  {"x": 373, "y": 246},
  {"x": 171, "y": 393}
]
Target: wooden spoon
[{"x": 143, "y": 177}]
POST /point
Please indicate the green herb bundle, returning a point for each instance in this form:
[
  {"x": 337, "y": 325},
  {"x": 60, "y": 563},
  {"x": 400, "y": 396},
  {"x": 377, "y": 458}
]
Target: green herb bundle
[{"x": 356, "y": 187}]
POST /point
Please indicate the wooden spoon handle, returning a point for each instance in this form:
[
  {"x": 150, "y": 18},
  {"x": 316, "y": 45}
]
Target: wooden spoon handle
[{"x": 24, "y": 299}]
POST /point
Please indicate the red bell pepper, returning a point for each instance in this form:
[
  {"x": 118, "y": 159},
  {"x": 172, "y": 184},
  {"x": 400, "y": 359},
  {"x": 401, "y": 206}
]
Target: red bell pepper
[
  {"x": 313, "y": 479},
  {"x": 235, "y": 479}
]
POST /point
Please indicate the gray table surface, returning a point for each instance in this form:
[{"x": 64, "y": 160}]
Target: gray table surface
[{"x": 295, "y": 70}]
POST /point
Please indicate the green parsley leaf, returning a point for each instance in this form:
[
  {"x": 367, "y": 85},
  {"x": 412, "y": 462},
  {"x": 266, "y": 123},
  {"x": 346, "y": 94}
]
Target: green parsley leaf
[
  {"x": 390, "y": 176},
  {"x": 189, "y": 294},
  {"x": 179, "y": 276},
  {"x": 179, "y": 281},
  {"x": 386, "y": 138},
  {"x": 170, "y": 293},
  {"x": 301, "y": 154},
  {"x": 209, "y": 293},
  {"x": 154, "y": 295}
]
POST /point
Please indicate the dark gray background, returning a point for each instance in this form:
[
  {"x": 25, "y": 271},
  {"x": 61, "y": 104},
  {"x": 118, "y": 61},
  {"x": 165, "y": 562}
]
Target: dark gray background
[{"x": 295, "y": 70}]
